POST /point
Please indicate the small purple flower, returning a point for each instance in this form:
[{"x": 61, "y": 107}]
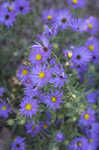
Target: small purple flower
[
  {"x": 32, "y": 128},
  {"x": 37, "y": 56},
  {"x": 23, "y": 73},
  {"x": 44, "y": 125},
  {"x": 29, "y": 107},
  {"x": 2, "y": 90},
  {"x": 4, "y": 110},
  {"x": 92, "y": 44},
  {"x": 7, "y": 18},
  {"x": 59, "y": 76},
  {"x": 40, "y": 75},
  {"x": 63, "y": 18},
  {"x": 53, "y": 100},
  {"x": 77, "y": 3},
  {"x": 18, "y": 144},
  {"x": 59, "y": 137},
  {"x": 44, "y": 46},
  {"x": 87, "y": 117},
  {"x": 81, "y": 56},
  {"x": 49, "y": 15},
  {"x": 9, "y": 6},
  {"x": 92, "y": 25},
  {"x": 22, "y": 7}
]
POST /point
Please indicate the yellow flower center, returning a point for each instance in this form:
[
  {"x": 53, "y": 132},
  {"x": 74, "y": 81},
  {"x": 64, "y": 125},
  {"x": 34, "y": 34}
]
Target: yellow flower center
[
  {"x": 49, "y": 17},
  {"x": 69, "y": 54},
  {"x": 53, "y": 99},
  {"x": 41, "y": 75},
  {"x": 90, "y": 140},
  {"x": 4, "y": 108},
  {"x": 10, "y": 8},
  {"x": 33, "y": 127},
  {"x": 79, "y": 144},
  {"x": 74, "y": 1},
  {"x": 86, "y": 116},
  {"x": 91, "y": 47},
  {"x": 90, "y": 26},
  {"x": 24, "y": 72},
  {"x": 28, "y": 107},
  {"x": 38, "y": 57},
  {"x": 45, "y": 126}
]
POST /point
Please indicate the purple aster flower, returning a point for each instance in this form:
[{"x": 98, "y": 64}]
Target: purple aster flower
[
  {"x": 59, "y": 137},
  {"x": 37, "y": 56},
  {"x": 44, "y": 46},
  {"x": 32, "y": 128},
  {"x": 22, "y": 7},
  {"x": 92, "y": 25},
  {"x": 9, "y": 6},
  {"x": 40, "y": 75},
  {"x": 29, "y": 106},
  {"x": 63, "y": 18},
  {"x": 23, "y": 73},
  {"x": 91, "y": 97},
  {"x": 81, "y": 56},
  {"x": 79, "y": 143},
  {"x": 60, "y": 76},
  {"x": 4, "y": 110},
  {"x": 77, "y": 3},
  {"x": 91, "y": 129},
  {"x": 92, "y": 43},
  {"x": 18, "y": 144},
  {"x": 76, "y": 24},
  {"x": 44, "y": 125},
  {"x": 53, "y": 100},
  {"x": 87, "y": 117},
  {"x": 49, "y": 15},
  {"x": 93, "y": 142},
  {"x": 2, "y": 90},
  {"x": 7, "y": 18}
]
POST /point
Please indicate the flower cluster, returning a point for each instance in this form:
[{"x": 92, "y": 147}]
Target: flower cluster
[
  {"x": 9, "y": 11},
  {"x": 59, "y": 104}
]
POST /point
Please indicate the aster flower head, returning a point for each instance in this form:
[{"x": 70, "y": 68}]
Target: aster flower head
[
  {"x": 41, "y": 75},
  {"x": 4, "y": 110},
  {"x": 81, "y": 56},
  {"x": 9, "y": 6},
  {"x": 54, "y": 100},
  {"x": 23, "y": 73},
  {"x": 59, "y": 76},
  {"x": 37, "y": 56},
  {"x": 32, "y": 128},
  {"x": 77, "y": 3},
  {"x": 92, "y": 43},
  {"x": 44, "y": 46},
  {"x": 79, "y": 143},
  {"x": 63, "y": 18},
  {"x": 92, "y": 25},
  {"x": 44, "y": 125},
  {"x": 2, "y": 90},
  {"x": 29, "y": 107},
  {"x": 22, "y": 7},
  {"x": 59, "y": 137},
  {"x": 49, "y": 15},
  {"x": 7, "y": 18},
  {"x": 18, "y": 144},
  {"x": 68, "y": 53},
  {"x": 88, "y": 117}
]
